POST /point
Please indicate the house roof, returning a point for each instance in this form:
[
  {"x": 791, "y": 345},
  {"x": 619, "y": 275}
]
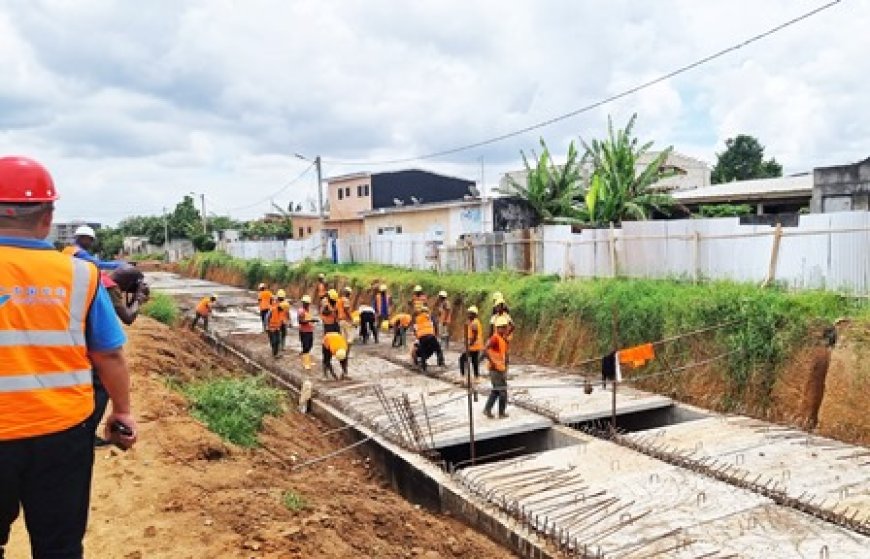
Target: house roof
[
  {"x": 795, "y": 186},
  {"x": 423, "y": 207}
]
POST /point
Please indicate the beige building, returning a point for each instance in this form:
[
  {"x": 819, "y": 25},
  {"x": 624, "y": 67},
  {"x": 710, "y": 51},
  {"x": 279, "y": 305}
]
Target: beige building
[
  {"x": 305, "y": 225},
  {"x": 444, "y": 222}
]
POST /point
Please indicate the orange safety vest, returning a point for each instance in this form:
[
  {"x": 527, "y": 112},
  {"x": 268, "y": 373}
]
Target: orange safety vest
[
  {"x": 496, "y": 353},
  {"x": 265, "y": 299},
  {"x": 305, "y": 322},
  {"x": 402, "y": 319},
  {"x": 203, "y": 308},
  {"x": 45, "y": 377},
  {"x": 423, "y": 326},
  {"x": 475, "y": 338},
  {"x": 343, "y": 305},
  {"x": 70, "y": 250},
  {"x": 276, "y": 317},
  {"x": 333, "y": 341},
  {"x": 328, "y": 317}
]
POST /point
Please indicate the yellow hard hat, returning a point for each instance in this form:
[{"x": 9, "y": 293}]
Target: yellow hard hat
[
  {"x": 473, "y": 309},
  {"x": 306, "y": 298},
  {"x": 281, "y": 294},
  {"x": 424, "y": 309},
  {"x": 383, "y": 287},
  {"x": 497, "y": 295},
  {"x": 285, "y": 305},
  {"x": 418, "y": 289},
  {"x": 499, "y": 301},
  {"x": 341, "y": 354},
  {"x": 333, "y": 294},
  {"x": 502, "y": 321},
  {"x": 442, "y": 294}
]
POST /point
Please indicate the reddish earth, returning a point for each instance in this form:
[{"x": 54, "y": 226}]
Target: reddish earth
[{"x": 183, "y": 493}]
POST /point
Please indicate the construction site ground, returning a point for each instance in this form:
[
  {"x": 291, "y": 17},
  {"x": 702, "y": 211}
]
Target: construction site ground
[{"x": 183, "y": 493}]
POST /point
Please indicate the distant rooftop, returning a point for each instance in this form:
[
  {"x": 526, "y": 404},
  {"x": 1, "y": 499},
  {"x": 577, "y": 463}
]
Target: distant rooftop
[{"x": 755, "y": 189}]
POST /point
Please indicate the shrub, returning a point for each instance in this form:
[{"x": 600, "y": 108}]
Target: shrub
[
  {"x": 161, "y": 307},
  {"x": 234, "y": 408},
  {"x": 293, "y": 501}
]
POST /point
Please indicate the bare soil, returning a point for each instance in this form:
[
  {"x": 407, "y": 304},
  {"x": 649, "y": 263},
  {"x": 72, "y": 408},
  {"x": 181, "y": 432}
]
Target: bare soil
[{"x": 183, "y": 493}]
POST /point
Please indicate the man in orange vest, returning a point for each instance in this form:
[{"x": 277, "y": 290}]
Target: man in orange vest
[
  {"x": 400, "y": 323},
  {"x": 427, "y": 342},
  {"x": 56, "y": 326},
  {"x": 497, "y": 355},
  {"x": 306, "y": 331},
  {"x": 329, "y": 312},
  {"x": 335, "y": 345},
  {"x": 418, "y": 301},
  {"x": 442, "y": 316},
  {"x": 264, "y": 301},
  {"x": 274, "y": 322},
  {"x": 203, "y": 311},
  {"x": 473, "y": 344},
  {"x": 345, "y": 321},
  {"x": 321, "y": 290}
]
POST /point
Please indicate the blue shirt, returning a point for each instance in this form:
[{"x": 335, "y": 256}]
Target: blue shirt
[
  {"x": 103, "y": 330},
  {"x": 100, "y": 264}
]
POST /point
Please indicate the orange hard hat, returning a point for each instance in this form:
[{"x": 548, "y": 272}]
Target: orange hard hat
[{"x": 23, "y": 180}]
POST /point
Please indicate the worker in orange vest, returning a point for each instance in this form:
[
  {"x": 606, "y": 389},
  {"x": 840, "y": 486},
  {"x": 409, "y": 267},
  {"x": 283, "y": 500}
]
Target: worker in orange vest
[
  {"x": 264, "y": 301},
  {"x": 427, "y": 342},
  {"x": 400, "y": 324},
  {"x": 274, "y": 322},
  {"x": 497, "y": 355},
  {"x": 306, "y": 331},
  {"x": 329, "y": 312},
  {"x": 473, "y": 344},
  {"x": 57, "y": 325},
  {"x": 418, "y": 301},
  {"x": 442, "y": 316},
  {"x": 334, "y": 345},
  {"x": 284, "y": 305},
  {"x": 203, "y": 312},
  {"x": 321, "y": 290},
  {"x": 345, "y": 321}
]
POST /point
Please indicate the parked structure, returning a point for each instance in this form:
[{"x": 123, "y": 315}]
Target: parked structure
[
  {"x": 780, "y": 195},
  {"x": 841, "y": 188}
]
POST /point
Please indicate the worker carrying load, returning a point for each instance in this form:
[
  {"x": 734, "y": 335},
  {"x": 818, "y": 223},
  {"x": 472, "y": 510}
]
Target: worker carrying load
[
  {"x": 203, "y": 311},
  {"x": 306, "y": 331},
  {"x": 400, "y": 324},
  {"x": 418, "y": 301},
  {"x": 85, "y": 239},
  {"x": 274, "y": 322},
  {"x": 382, "y": 302},
  {"x": 345, "y": 321},
  {"x": 334, "y": 345},
  {"x": 264, "y": 301},
  {"x": 497, "y": 355},
  {"x": 329, "y": 312},
  {"x": 442, "y": 315},
  {"x": 321, "y": 290},
  {"x": 473, "y": 344},
  {"x": 426, "y": 343},
  {"x": 367, "y": 323}
]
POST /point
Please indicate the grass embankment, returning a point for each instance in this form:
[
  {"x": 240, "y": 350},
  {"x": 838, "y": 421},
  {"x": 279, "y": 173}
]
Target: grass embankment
[
  {"x": 566, "y": 322},
  {"x": 162, "y": 307}
]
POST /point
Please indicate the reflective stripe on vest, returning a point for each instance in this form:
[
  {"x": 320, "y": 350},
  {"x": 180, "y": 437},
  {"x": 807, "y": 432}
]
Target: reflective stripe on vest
[{"x": 18, "y": 383}]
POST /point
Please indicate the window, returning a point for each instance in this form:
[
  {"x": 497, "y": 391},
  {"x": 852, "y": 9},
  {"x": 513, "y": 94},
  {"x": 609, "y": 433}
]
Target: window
[
  {"x": 301, "y": 231},
  {"x": 380, "y": 230},
  {"x": 366, "y": 190},
  {"x": 347, "y": 192},
  {"x": 340, "y": 193},
  {"x": 309, "y": 230},
  {"x": 399, "y": 229},
  {"x": 359, "y": 191}
]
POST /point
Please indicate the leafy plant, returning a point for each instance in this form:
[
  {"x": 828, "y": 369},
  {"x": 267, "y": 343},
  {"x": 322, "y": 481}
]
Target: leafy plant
[
  {"x": 743, "y": 159},
  {"x": 161, "y": 307},
  {"x": 293, "y": 501},
  {"x": 724, "y": 210}
]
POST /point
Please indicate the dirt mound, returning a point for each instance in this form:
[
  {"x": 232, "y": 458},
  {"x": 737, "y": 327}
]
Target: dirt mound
[{"x": 843, "y": 413}]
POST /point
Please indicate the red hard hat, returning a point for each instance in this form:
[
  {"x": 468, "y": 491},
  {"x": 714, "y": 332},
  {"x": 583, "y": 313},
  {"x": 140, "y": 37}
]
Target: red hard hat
[{"x": 24, "y": 180}]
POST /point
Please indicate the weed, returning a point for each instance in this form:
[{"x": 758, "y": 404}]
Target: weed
[
  {"x": 234, "y": 408},
  {"x": 293, "y": 501},
  {"x": 161, "y": 307}
]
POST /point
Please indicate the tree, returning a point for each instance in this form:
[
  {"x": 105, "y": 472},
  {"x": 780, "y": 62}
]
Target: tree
[
  {"x": 280, "y": 230},
  {"x": 616, "y": 190},
  {"x": 550, "y": 190},
  {"x": 743, "y": 159},
  {"x": 109, "y": 242}
]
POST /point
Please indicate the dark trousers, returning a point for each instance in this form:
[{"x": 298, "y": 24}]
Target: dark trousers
[
  {"x": 399, "y": 336},
  {"x": 334, "y": 327},
  {"x": 426, "y": 347},
  {"x": 263, "y": 314},
  {"x": 368, "y": 326},
  {"x": 50, "y": 478},
  {"x": 327, "y": 364},
  {"x": 307, "y": 341},
  {"x": 101, "y": 401},
  {"x": 283, "y": 336},
  {"x": 474, "y": 357},
  {"x": 196, "y": 318},
  {"x": 499, "y": 393},
  {"x": 275, "y": 341}
]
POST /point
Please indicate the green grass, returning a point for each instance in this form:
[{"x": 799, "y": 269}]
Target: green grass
[
  {"x": 293, "y": 501},
  {"x": 234, "y": 408},
  {"x": 161, "y": 307}
]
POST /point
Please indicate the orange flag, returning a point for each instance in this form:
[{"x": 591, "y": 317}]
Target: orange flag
[{"x": 637, "y": 355}]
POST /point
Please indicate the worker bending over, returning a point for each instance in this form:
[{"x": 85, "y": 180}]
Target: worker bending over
[
  {"x": 306, "y": 331},
  {"x": 264, "y": 301},
  {"x": 473, "y": 344},
  {"x": 367, "y": 323},
  {"x": 85, "y": 239},
  {"x": 128, "y": 290},
  {"x": 442, "y": 315},
  {"x": 329, "y": 312},
  {"x": 427, "y": 342},
  {"x": 496, "y": 354},
  {"x": 203, "y": 311},
  {"x": 345, "y": 321},
  {"x": 400, "y": 324},
  {"x": 274, "y": 322},
  {"x": 335, "y": 345}
]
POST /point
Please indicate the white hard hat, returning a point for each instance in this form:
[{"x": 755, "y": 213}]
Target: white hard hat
[{"x": 85, "y": 231}]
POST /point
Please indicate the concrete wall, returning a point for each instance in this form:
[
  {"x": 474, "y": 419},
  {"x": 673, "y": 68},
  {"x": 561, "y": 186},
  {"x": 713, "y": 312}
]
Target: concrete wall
[
  {"x": 841, "y": 188},
  {"x": 350, "y": 206}
]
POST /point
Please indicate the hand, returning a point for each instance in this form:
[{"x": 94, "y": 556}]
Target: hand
[{"x": 124, "y": 441}]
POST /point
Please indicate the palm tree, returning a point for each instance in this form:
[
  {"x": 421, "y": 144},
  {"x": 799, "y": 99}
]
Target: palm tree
[
  {"x": 550, "y": 190},
  {"x": 616, "y": 190}
]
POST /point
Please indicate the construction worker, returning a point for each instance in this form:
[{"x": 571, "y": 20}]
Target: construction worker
[
  {"x": 473, "y": 342},
  {"x": 85, "y": 238},
  {"x": 329, "y": 312},
  {"x": 442, "y": 315},
  {"x": 274, "y": 322},
  {"x": 345, "y": 321},
  {"x": 382, "y": 302},
  {"x": 496, "y": 354},
  {"x": 203, "y": 311},
  {"x": 56, "y": 326},
  {"x": 264, "y": 301},
  {"x": 321, "y": 290},
  {"x": 306, "y": 331},
  {"x": 400, "y": 324},
  {"x": 284, "y": 306},
  {"x": 367, "y": 323},
  {"x": 334, "y": 344},
  {"x": 418, "y": 300},
  {"x": 426, "y": 343},
  {"x": 500, "y": 309}
]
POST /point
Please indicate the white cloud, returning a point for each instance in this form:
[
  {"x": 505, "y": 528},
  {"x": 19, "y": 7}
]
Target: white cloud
[{"x": 134, "y": 105}]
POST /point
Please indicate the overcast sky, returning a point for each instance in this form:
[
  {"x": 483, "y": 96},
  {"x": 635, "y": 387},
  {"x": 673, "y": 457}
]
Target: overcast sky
[{"x": 133, "y": 104}]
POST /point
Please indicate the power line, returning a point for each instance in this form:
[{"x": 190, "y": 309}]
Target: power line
[
  {"x": 274, "y": 194},
  {"x": 600, "y": 102}
]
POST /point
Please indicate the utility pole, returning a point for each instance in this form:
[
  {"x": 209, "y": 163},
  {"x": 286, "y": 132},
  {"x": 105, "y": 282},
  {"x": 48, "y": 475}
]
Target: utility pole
[
  {"x": 165, "y": 234},
  {"x": 204, "y": 218},
  {"x": 320, "y": 209}
]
